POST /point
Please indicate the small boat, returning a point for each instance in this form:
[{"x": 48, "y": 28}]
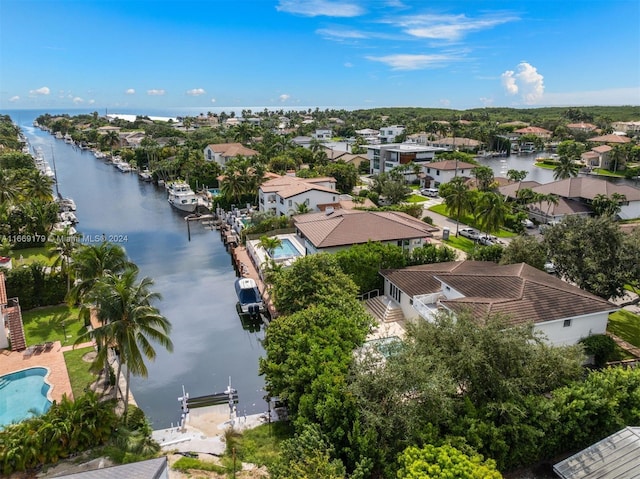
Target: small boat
[
  {"x": 66, "y": 204},
  {"x": 123, "y": 166},
  {"x": 68, "y": 216},
  {"x": 182, "y": 197},
  {"x": 145, "y": 175},
  {"x": 249, "y": 299}
]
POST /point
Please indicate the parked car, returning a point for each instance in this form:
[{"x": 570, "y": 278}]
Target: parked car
[
  {"x": 527, "y": 223},
  {"x": 487, "y": 240},
  {"x": 432, "y": 192},
  {"x": 471, "y": 233},
  {"x": 550, "y": 267}
]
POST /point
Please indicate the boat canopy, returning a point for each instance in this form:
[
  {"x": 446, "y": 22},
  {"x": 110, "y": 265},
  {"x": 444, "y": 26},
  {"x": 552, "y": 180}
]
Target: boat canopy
[{"x": 247, "y": 291}]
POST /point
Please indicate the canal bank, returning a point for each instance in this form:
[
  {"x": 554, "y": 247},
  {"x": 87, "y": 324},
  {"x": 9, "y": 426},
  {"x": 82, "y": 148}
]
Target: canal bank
[{"x": 195, "y": 278}]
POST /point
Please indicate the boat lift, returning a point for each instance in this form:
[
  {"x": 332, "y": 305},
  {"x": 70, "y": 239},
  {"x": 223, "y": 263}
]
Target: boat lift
[{"x": 229, "y": 396}]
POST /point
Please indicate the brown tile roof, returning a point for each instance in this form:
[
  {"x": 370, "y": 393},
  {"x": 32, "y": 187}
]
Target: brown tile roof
[
  {"x": 518, "y": 291},
  {"x": 610, "y": 139},
  {"x": 587, "y": 188},
  {"x": 532, "y": 130},
  {"x": 450, "y": 165},
  {"x": 582, "y": 126},
  {"x": 347, "y": 227},
  {"x": 287, "y": 186},
  {"x": 602, "y": 149},
  {"x": 231, "y": 150},
  {"x": 3, "y": 290},
  {"x": 511, "y": 189}
]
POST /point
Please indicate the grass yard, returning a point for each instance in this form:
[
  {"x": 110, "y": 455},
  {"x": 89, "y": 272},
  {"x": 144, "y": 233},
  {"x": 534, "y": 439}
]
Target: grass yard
[
  {"x": 52, "y": 323},
  {"x": 461, "y": 243},
  {"x": 31, "y": 255},
  {"x": 540, "y": 164},
  {"x": 78, "y": 370},
  {"x": 416, "y": 199},
  {"x": 261, "y": 445},
  {"x": 626, "y": 325},
  {"x": 603, "y": 172}
]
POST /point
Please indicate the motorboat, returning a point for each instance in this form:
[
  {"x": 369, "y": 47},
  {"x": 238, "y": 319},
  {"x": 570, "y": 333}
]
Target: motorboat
[
  {"x": 249, "y": 299},
  {"x": 145, "y": 175},
  {"x": 181, "y": 196},
  {"x": 123, "y": 166},
  {"x": 66, "y": 204}
]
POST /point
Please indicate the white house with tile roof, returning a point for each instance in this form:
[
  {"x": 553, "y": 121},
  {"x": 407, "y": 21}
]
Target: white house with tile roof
[
  {"x": 335, "y": 230},
  {"x": 597, "y": 157},
  {"x": 281, "y": 195},
  {"x": 437, "y": 173},
  {"x": 221, "y": 153},
  {"x": 521, "y": 293}
]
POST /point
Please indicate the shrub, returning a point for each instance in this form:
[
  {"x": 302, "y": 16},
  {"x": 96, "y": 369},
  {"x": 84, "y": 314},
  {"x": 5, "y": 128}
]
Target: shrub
[{"x": 601, "y": 346}]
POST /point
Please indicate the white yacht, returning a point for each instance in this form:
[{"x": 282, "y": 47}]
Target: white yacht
[{"x": 182, "y": 197}]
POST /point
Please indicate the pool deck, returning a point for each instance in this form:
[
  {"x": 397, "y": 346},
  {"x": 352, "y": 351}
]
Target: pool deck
[{"x": 53, "y": 360}]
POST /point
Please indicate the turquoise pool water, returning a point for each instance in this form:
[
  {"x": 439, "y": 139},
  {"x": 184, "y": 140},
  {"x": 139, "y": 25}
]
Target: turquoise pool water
[
  {"x": 23, "y": 394},
  {"x": 285, "y": 250},
  {"x": 214, "y": 191}
]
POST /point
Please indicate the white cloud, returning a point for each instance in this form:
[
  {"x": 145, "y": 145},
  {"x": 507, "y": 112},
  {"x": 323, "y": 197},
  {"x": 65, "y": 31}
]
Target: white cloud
[
  {"x": 77, "y": 100},
  {"x": 196, "y": 92},
  {"x": 341, "y": 34},
  {"x": 40, "y": 91},
  {"x": 413, "y": 62},
  {"x": 130, "y": 91},
  {"x": 486, "y": 101},
  {"x": 284, "y": 97},
  {"x": 91, "y": 102},
  {"x": 526, "y": 82},
  {"x": 447, "y": 27},
  {"x": 445, "y": 102},
  {"x": 315, "y": 8},
  {"x": 155, "y": 92},
  {"x": 213, "y": 100},
  {"x": 14, "y": 99}
]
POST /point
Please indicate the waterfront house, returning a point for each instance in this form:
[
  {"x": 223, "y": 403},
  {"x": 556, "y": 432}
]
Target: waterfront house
[
  {"x": 281, "y": 195},
  {"x": 521, "y": 293},
  {"x": 535, "y": 131},
  {"x": 384, "y": 158},
  {"x": 597, "y": 157},
  {"x": 454, "y": 143},
  {"x": 611, "y": 138},
  {"x": 437, "y": 173},
  {"x": 221, "y": 153},
  {"x": 575, "y": 196},
  {"x": 334, "y": 230}
]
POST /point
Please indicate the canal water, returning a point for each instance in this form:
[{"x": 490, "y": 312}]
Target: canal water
[{"x": 195, "y": 279}]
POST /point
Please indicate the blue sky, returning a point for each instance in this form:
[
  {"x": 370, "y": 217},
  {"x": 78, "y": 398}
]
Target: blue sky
[{"x": 306, "y": 53}]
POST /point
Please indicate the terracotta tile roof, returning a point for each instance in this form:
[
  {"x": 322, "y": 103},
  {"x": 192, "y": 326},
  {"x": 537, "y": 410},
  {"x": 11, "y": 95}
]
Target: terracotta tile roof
[
  {"x": 3, "y": 290},
  {"x": 231, "y": 150},
  {"x": 602, "y": 149},
  {"x": 610, "y": 139},
  {"x": 532, "y": 130},
  {"x": 511, "y": 189},
  {"x": 288, "y": 186},
  {"x": 519, "y": 291},
  {"x": 347, "y": 227},
  {"x": 587, "y": 188},
  {"x": 450, "y": 165}
]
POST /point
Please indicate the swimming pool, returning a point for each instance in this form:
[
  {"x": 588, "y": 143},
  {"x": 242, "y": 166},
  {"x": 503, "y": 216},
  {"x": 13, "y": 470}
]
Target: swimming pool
[
  {"x": 23, "y": 394},
  {"x": 285, "y": 250}
]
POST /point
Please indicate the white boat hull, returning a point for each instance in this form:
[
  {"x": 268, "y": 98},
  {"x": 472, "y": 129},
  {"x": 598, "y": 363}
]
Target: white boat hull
[{"x": 188, "y": 207}]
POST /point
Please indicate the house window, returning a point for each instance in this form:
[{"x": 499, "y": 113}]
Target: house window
[
  {"x": 395, "y": 292},
  {"x": 567, "y": 323},
  {"x": 428, "y": 170},
  {"x": 290, "y": 202},
  {"x": 437, "y": 172},
  {"x": 282, "y": 201}
]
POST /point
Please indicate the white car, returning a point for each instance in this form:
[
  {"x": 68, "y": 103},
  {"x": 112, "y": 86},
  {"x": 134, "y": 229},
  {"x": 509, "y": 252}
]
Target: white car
[
  {"x": 432, "y": 192},
  {"x": 550, "y": 267},
  {"x": 471, "y": 233},
  {"x": 527, "y": 223}
]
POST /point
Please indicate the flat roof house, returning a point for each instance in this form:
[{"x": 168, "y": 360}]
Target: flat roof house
[
  {"x": 562, "y": 312},
  {"x": 384, "y": 158},
  {"x": 335, "y": 230}
]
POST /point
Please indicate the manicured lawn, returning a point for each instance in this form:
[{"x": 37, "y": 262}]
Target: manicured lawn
[
  {"x": 51, "y": 324},
  {"x": 540, "y": 164},
  {"x": 416, "y": 199},
  {"x": 602, "y": 172},
  {"x": 468, "y": 220},
  {"x": 78, "y": 370},
  {"x": 461, "y": 243},
  {"x": 31, "y": 255},
  {"x": 626, "y": 325}
]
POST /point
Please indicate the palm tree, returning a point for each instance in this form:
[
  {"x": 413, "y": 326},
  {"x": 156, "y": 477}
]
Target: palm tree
[
  {"x": 9, "y": 188},
  {"x": 566, "y": 168},
  {"x": 91, "y": 262},
  {"x": 491, "y": 211},
  {"x": 300, "y": 209},
  {"x": 129, "y": 323},
  {"x": 64, "y": 243},
  {"x": 38, "y": 185},
  {"x": 604, "y": 205},
  {"x": 457, "y": 198},
  {"x": 233, "y": 185},
  {"x": 269, "y": 244}
]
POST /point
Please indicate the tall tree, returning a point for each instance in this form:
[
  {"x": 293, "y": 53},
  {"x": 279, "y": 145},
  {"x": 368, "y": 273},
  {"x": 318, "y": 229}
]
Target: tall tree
[
  {"x": 566, "y": 168},
  {"x": 491, "y": 211},
  {"x": 63, "y": 244},
  {"x": 484, "y": 177},
  {"x": 457, "y": 198},
  {"x": 130, "y": 323}
]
